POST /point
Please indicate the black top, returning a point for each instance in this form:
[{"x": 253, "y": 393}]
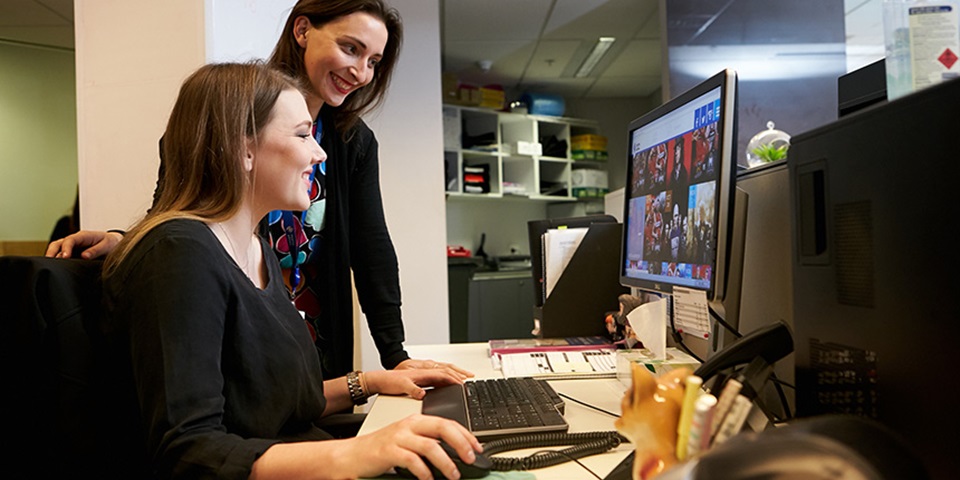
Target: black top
[
  {"x": 222, "y": 370},
  {"x": 355, "y": 238}
]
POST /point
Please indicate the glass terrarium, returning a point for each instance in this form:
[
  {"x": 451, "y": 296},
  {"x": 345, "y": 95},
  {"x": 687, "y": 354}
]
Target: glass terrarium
[{"x": 767, "y": 146}]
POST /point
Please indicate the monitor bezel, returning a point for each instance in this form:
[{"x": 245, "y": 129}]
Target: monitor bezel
[{"x": 726, "y": 81}]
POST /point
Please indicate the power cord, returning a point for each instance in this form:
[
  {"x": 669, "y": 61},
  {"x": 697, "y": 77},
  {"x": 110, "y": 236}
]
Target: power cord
[
  {"x": 594, "y": 407},
  {"x": 572, "y": 459}
]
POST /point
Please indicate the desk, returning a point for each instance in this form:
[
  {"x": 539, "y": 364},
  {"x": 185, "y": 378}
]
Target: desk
[{"x": 601, "y": 393}]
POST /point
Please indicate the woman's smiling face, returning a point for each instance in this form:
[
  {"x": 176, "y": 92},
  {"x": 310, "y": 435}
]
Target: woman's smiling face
[
  {"x": 284, "y": 156},
  {"x": 341, "y": 56}
]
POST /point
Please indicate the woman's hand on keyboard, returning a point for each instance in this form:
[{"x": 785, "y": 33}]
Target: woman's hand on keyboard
[
  {"x": 410, "y": 364},
  {"x": 408, "y": 382}
]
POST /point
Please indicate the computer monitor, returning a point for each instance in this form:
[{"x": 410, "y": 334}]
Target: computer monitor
[{"x": 679, "y": 211}]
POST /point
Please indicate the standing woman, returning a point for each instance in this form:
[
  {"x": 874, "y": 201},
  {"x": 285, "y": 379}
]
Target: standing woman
[{"x": 344, "y": 52}]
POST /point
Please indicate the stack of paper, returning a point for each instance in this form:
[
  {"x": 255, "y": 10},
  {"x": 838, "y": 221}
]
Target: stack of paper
[
  {"x": 559, "y": 245},
  {"x": 558, "y": 365}
]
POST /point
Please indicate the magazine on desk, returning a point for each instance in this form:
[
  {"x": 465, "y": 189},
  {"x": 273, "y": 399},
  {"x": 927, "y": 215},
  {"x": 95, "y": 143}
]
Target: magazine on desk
[
  {"x": 525, "y": 345},
  {"x": 557, "y": 365}
]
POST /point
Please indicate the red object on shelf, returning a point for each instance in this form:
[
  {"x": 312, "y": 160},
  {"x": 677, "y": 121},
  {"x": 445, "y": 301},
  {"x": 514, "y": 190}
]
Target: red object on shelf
[{"x": 457, "y": 251}]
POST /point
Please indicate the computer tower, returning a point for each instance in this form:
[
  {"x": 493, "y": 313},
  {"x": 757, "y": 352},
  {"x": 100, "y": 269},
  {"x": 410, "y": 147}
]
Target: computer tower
[
  {"x": 767, "y": 284},
  {"x": 875, "y": 269}
]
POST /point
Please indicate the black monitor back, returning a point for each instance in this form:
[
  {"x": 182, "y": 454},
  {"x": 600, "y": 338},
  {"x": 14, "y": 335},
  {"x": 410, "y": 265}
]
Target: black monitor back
[{"x": 875, "y": 261}]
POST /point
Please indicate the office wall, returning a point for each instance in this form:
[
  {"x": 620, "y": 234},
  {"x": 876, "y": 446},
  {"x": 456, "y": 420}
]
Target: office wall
[
  {"x": 409, "y": 127},
  {"x": 614, "y": 115},
  {"x": 128, "y": 74},
  {"x": 504, "y": 221},
  {"x": 38, "y": 141}
]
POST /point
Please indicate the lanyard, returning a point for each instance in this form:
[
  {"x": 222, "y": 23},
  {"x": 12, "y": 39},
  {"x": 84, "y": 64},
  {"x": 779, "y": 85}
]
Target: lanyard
[{"x": 290, "y": 226}]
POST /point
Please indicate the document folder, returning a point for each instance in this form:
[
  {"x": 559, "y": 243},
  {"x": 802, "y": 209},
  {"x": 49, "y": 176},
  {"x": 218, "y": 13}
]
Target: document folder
[{"x": 589, "y": 284}]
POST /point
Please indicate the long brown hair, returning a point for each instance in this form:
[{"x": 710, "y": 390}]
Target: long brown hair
[
  {"x": 288, "y": 54},
  {"x": 218, "y": 109}
]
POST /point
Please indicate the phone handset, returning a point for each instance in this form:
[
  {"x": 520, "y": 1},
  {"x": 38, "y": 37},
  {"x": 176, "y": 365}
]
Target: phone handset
[{"x": 582, "y": 445}]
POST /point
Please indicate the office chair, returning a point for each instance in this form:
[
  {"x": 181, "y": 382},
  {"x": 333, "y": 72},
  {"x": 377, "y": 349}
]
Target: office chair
[{"x": 58, "y": 406}]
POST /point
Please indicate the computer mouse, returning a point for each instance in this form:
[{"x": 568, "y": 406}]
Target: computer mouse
[{"x": 480, "y": 468}]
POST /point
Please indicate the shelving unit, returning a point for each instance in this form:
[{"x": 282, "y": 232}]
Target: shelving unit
[{"x": 521, "y": 154}]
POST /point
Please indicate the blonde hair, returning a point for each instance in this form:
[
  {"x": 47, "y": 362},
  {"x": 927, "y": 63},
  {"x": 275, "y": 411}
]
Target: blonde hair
[{"x": 219, "y": 108}]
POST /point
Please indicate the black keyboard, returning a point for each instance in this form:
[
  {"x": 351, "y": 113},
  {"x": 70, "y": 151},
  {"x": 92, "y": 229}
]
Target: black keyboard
[{"x": 497, "y": 407}]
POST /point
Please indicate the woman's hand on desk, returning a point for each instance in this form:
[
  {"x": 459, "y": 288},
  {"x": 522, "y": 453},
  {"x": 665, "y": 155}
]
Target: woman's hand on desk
[{"x": 411, "y": 363}]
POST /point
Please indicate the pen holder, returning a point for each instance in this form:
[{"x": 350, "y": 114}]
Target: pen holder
[{"x": 670, "y": 419}]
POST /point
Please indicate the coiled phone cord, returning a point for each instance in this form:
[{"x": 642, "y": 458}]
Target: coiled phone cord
[{"x": 584, "y": 444}]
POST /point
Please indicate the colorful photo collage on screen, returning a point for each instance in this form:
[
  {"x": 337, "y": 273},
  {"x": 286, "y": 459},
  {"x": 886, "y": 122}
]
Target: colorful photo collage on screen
[{"x": 672, "y": 195}]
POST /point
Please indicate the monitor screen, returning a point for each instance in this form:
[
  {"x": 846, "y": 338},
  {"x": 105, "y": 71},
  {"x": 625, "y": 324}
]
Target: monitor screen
[{"x": 678, "y": 205}]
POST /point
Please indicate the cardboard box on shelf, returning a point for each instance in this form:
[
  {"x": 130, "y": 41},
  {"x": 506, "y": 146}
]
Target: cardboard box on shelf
[
  {"x": 588, "y": 141},
  {"x": 523, "y": 148},
  {"x": 589, "y": 177},
  {"x": 592, "y": 155},
  {"x": 492, "y": 97},
  {"x": 589, "y": 192}
]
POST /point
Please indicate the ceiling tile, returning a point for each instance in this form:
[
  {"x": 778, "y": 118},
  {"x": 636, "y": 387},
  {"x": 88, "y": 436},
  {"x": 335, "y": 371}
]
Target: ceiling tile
[
  {"x": 639, "y": 57},
  {"x": 552, "y": 58},
  {"x": 493, "y": 19},
  {"x": 624, "y": 87},
  {"x": 30, "y": 13}
]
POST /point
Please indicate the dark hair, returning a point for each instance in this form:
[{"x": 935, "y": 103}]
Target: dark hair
[
  {"x": 219, "y": 108},
  {"x": 288, "y": 54}
]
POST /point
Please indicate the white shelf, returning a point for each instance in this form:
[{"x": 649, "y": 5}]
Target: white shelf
[{"x": 503, "y": 133}]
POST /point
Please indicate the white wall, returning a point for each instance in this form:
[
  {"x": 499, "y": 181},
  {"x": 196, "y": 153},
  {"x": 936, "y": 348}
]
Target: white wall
[
  {"x": 126, "y": 88},
  {"x": 131, "y": 57},
  {"x": 410, "y": 130}
]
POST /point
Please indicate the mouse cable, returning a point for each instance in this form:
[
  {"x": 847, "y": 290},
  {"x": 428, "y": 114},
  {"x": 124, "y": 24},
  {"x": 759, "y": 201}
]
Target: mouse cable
[
  {"x": 583, "y": 444},
  {"x": 585, "y": 404}
]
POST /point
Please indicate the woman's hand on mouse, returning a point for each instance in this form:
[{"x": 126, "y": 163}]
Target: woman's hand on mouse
[
  {"x": 409, "y": 442},
  {"x": 408, "y": 382}
]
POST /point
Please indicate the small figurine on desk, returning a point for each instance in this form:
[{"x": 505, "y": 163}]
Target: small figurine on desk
[
  {"x": 651, "y": 412},
  {"x": 617, "y": 324}
]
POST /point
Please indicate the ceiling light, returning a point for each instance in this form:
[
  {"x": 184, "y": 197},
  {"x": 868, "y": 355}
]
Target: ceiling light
[{"x": 599, "y": 50}]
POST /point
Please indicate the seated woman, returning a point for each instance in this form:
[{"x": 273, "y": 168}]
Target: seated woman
[{"x": 227, "y": 378}]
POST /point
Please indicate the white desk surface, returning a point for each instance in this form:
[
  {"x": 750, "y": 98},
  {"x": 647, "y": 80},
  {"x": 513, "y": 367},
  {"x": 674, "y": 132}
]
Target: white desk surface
[{"x": 601, "y": 393}]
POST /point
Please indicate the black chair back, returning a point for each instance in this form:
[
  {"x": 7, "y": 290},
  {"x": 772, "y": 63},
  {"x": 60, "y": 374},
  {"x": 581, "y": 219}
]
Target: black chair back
[{"x": 60, "y": 405}]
